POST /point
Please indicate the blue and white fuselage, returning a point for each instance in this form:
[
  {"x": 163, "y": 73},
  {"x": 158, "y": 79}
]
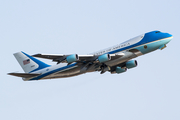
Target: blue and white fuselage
[{"x": 116, "y": 59}]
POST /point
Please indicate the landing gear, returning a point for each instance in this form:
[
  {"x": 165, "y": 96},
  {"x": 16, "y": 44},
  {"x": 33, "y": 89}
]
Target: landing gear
[
  {"x": 104, "y": 68},
  {"x": 162, "y": 47}
]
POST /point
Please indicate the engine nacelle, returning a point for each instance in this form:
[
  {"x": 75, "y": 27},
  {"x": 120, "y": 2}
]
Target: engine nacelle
[
  {"x": 72, "y": 58},
  {"x": 131, "y": 64},
  {"x": 120, "y": 70},
  {"x": 104, "y": 58}
]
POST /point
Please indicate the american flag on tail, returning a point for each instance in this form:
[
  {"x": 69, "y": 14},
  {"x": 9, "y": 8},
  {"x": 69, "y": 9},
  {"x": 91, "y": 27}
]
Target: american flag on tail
[{"x": 26, "y": 61}]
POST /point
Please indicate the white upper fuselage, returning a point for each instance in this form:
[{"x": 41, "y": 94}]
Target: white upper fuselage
[{"x": 120, "y": 46}]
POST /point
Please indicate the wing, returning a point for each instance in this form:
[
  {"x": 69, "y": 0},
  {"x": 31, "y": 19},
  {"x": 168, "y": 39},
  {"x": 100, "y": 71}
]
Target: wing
[
  {"x": 24, "y": 75},
  {"x": 103, "y": 63},
  {"x": 60, "y": 58}
]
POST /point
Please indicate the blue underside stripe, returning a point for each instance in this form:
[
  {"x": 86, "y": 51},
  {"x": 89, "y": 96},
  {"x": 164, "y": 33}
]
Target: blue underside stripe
[{"x": 53, "y": 71}]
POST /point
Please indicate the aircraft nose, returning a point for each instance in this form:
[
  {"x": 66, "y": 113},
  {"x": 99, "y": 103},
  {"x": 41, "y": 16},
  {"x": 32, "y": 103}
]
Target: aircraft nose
[{"x": 169, "y": 37}]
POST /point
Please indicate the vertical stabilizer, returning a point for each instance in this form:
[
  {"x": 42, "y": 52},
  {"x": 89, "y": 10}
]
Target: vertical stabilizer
[{"x": 29, "y": 63}]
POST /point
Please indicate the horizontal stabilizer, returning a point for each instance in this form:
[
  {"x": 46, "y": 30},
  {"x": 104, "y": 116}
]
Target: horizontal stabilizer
[{"x": 24, "y": 75}]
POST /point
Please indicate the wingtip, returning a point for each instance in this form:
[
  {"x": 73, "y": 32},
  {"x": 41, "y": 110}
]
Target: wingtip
[{"x": 8, "y": 73}]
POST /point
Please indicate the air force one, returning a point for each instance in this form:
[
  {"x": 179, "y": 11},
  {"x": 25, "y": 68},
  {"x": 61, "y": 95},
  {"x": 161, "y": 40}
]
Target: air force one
[{"x": 116, "y": 59}]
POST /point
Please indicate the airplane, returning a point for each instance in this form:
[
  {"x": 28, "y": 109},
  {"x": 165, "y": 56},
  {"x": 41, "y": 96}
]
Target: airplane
[{"x": 116, "y": 59}]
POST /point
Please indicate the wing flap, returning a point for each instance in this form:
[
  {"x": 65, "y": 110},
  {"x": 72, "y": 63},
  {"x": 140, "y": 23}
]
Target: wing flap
[{"x": 24, "y": 75}]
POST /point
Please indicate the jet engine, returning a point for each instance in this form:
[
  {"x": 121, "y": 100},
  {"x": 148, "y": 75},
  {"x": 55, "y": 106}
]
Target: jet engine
[
  {"x": 120, "y": 70},
  {"x": 131, "y": 64},
  {"x": 104, "y": 58},
  {"x": 72, "y": 58}
]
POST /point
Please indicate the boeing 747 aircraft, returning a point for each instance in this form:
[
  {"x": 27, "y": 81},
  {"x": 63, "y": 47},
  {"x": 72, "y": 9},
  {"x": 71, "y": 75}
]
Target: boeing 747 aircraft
[{"x": 116, "y": 59}]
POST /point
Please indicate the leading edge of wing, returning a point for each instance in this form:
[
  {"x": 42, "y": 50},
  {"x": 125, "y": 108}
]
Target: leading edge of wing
[{"x": 48, "y": 56}]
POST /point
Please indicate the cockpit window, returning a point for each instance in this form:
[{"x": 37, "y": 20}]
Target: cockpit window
[{"x": 158, "y": 31}]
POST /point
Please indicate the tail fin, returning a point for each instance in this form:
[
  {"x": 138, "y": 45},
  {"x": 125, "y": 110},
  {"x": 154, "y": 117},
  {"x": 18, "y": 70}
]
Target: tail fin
[{"x": 28, "y": 63}]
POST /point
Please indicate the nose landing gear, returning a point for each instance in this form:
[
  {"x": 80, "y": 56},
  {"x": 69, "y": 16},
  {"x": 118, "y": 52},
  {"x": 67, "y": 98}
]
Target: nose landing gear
[{"x": 162, "y": 46}]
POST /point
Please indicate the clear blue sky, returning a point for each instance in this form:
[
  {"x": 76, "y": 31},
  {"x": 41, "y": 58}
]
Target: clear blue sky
[{"x": 150, "y": 91}]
